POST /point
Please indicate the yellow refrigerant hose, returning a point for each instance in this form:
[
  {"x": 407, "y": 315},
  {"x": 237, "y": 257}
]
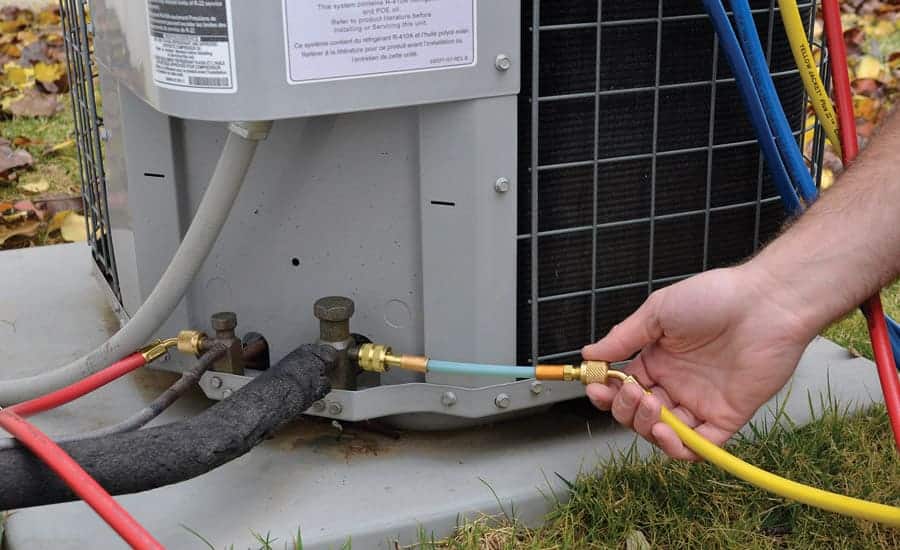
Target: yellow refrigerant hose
[
  {"x": 809, "y": 71},
  {"x": 712, "y": 453},
  {"x": 848, "y": 506}
]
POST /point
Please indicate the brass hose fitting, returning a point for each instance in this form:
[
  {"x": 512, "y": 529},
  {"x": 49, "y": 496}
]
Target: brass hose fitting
[
  {"x": 380, "y": 358},
  {"x": 156, "y": 349},
  {"x": 588, "y": 372},
  {"x": 191, "y": 342}
]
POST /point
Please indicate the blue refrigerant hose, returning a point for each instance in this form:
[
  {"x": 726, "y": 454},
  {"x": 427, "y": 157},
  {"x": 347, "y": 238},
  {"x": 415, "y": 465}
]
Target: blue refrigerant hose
[
  {"x": 474, "y": 369},
  {"x": 744, "y": 80},
  {"x": 765, "y": 87},
  {"x": 762, "y": 85}
]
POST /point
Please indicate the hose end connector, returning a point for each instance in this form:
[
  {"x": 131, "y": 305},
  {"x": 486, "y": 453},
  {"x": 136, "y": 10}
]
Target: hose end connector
[
  {"x": 156, "y": 349},
  {"x": 373, "y": 357},
  {"x": 380, "y": 358},
  {"x": 191, "y": 342},
  {"x": 589, "y": 372}
]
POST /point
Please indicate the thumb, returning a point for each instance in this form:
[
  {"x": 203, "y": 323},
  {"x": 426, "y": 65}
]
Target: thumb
[{"x": 630, "y": 336}]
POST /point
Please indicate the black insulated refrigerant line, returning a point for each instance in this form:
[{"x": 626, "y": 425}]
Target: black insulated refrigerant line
[{"x": 138, "y": 461}]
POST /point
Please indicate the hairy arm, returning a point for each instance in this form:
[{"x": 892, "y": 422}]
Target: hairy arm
[
  {"x": 715, "y": 347},
  {"x": 846, "y": 246}
]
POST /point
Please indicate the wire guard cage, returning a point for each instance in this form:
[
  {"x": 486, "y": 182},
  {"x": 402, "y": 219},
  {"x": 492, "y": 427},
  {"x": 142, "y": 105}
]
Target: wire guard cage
[
  {"x": 88, "y": 125},
  {"x": 638, "y": 166}
]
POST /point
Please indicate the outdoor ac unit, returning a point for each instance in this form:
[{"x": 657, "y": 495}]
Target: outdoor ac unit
[{"x": 489, "y": 180}]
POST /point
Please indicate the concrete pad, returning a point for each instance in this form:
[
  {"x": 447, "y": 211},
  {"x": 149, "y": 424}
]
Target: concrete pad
[{"x": 365, "y": 484}]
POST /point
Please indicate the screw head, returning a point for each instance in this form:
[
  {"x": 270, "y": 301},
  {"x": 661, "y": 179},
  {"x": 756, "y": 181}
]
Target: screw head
[
  {"x": 537, "y": 387},
  {"x": 503, "y": 62},
  {"x": 334, "y": 308},
  {"x": 502, "y": 401},
  {"x": 215, "y": 382},
  {"x": 448, "y": 398},
  {"x": 224, "y": 320},
  {"x": 335, "y": 408},
  {"x": 318, "y": 406},
  {"x": 227, "y": 393},
  {"x": 502, "y": 185}
]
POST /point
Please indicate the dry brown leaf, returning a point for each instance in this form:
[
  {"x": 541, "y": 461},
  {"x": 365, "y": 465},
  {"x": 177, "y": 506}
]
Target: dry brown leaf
[
  {"x": 34, "y": 103},
  {"x": 28, "y": 228},
  {"x": 35, "y": 187},
  {"x": 73, "y": 228},
  {"x": 11, "y": 159}
]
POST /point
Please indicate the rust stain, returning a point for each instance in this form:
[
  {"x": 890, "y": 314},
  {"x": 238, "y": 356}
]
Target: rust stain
[{"x": 351, "y": 442}]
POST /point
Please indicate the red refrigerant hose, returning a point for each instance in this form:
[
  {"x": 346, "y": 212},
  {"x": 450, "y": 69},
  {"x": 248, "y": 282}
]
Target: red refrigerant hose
[
  {"x": 840, "y": 76},
  {"x": 81, "y": 483},
  {"x": 843, "y": 95},
  {"x": 82, "y": 387}
]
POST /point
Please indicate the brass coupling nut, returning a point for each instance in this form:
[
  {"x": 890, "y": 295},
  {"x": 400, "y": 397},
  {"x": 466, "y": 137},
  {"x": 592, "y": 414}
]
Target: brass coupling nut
[
  {"x": 156, "y": 349},
  {"x": 373, "y": 357},
  {"x": 191, "y": 342},
  {"x": 591, "y": 372}
]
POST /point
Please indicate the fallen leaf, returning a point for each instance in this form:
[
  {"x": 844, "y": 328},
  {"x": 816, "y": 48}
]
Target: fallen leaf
[
  {"x": 46, "y": 72},
  {"x": 35, "y": 187},
  {"x": 56, "y": 222},
  {"x": 48, "y": 16},
  {"x": 10, "y": 159},
  {"x": 28, "y": 228},
  {"x": 29, "y": 208},
  {"x": 73, "y": 228},
  {"x": 33, "y": 103},
  {"x": 18, "y": 76},
  {"x": 4, "y": 206},
  {"x": 869, "y": 67},
  {"x": 26, "y": 37}
]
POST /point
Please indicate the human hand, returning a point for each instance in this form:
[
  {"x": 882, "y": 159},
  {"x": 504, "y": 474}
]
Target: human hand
[{"x": 713, "y": 349}]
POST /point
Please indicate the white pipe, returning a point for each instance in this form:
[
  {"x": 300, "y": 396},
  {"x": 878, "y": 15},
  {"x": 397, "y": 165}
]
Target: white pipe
[{"x": 234, "y": 161}]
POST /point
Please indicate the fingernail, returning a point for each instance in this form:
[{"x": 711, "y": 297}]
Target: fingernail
[{"x": 627, "y": 399}]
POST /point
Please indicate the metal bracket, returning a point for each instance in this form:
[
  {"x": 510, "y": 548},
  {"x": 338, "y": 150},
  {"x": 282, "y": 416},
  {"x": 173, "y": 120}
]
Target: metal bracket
[{"x": 381, "y": 401}]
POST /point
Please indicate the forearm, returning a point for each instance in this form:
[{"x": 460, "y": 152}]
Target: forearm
[{"x": 846, "y": 246}]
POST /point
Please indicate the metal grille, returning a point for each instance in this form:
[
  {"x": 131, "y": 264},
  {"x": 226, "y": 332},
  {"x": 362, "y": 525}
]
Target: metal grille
[
  {"x": 88, "y": 125},
  {"x": 638, "y": 164}
]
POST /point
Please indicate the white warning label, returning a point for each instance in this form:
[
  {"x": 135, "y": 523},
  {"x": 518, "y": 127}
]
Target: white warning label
[
  {"x": 331, "y": 39},
  {"x": 191, "y": 45}
]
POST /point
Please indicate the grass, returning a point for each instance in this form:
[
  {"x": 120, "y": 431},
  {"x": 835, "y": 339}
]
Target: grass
[
  {"x": 59, "y": 169},
  {"x": 666, "y": 504}
]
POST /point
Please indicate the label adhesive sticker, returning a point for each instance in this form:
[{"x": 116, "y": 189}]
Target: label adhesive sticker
[
  {"x": 192, "y": 45},
  {"x": 336, "y": 39}
]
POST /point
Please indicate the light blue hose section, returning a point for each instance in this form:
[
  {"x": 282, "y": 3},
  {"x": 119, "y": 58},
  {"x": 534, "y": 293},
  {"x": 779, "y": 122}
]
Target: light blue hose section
[
  {"x": 744, "y": 80},
  {"x": 784, "y": 138},
  {"x": 474, "y": 369}
]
